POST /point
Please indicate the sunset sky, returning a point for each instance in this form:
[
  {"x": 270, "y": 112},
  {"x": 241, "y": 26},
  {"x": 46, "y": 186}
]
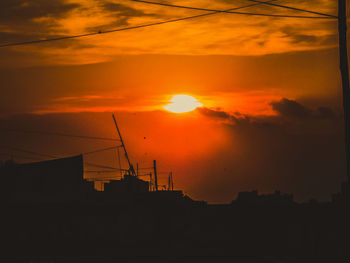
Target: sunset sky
[{"x": 267, "y": 89}]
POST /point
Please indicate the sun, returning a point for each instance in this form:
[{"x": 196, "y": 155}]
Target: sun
[{"x": 182, "y": 103}]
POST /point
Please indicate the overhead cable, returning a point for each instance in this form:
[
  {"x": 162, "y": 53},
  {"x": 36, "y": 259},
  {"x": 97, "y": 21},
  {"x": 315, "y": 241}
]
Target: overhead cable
[
  {"x": 213, "y": 12},
  {"x": 58, "y": 134},
  {"x": 291, "y": 8},
  {"x": 323, "y": 16}
]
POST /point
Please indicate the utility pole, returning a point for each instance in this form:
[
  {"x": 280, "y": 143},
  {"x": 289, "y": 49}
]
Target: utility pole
[
  {"x": 150, "y": 182},
  {"x": 169, "y": 182},
  {"x": 172, "y": 181},
  {"x": 155, "y": 174},
  {"x": 344, "y": 69}
]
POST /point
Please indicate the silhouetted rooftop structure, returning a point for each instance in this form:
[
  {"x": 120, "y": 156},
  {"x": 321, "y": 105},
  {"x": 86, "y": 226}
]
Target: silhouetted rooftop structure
[
  {"x": 128, "y": 184},
  {"x": 46, "y": 181},
  {"x": 254, "y": 198},
  {"x": 344, "y": 195}
]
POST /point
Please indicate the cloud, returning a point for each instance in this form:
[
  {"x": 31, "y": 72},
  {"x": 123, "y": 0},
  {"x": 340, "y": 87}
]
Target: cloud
[
  {"x": 290, "y": 108},
  {"x": 119, "y": 15},
  {"x": 287, "y": 110},
  {"x": 21, "y": 11},
  {"x": 304, "y": 157},
  {"x": 215, "y": 113},
  {"x": 33, "y": 18},
  {"x": 246, "y": 152},
  {"x": 120, "y": 9},
  {"x": 79, "y": 99},
  {"x": 24, "y": 20},
  {"x": 325, "y": 113},
  {"x": 306, "y": 36}
]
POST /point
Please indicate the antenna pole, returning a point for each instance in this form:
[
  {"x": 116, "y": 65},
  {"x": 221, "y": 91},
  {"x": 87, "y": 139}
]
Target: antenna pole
[
  {"x": 155, "y": 174},
  {"x": 344, "y": 69},
  {"x": 131, "y": 168},
  {"x": 150, "y": 182},
  {"x": 171, "y": 181}
]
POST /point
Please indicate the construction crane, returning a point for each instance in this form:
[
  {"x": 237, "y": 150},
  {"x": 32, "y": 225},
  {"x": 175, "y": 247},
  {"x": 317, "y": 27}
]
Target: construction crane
[{"x": 131, "y": 167}]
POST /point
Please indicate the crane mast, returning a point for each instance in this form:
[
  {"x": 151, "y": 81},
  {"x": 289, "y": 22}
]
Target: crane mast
[{"x": 131, "y": 167}]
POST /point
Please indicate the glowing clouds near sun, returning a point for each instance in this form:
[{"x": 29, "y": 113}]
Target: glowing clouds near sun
[{"x": 182, "y": 103}]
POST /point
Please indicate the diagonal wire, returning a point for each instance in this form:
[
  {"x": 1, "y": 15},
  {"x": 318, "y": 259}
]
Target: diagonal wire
[
  {"x": 146, "y": 168},
  {"x": 103, "y": 179},
  {"x": 102, "y": 171},
  {"x": 323, "y": 16},
  {"x": 133, "y": 27},
  {"x": 201, "y": 9},
  {"x": 55, "y": 156},
  {"x": 102, "y": 150},
  {"x": 115, "y": 30},
  {"x": 288, "y": 7},
  {"x": 102, "y": 166},
  {"x": 20, "y": 156},
  {"x": 59, "y": 134},
  {"x": 26, "y": 151},
  {"x": 99, "y": 32}
]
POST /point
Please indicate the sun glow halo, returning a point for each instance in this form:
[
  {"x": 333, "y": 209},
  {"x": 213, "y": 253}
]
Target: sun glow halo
[{"x": 182, "y": 103}]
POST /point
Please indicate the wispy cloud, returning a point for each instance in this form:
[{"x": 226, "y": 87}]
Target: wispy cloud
[{"x": 23, "y": 20}]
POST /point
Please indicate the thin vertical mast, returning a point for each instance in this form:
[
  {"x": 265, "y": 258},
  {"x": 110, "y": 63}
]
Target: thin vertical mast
[
  {"x": 131, "y": 168},
  {"x": 155, "y": 175},
  {"x": 344, "y": 69},
  {"x": 171, "y": 181}
]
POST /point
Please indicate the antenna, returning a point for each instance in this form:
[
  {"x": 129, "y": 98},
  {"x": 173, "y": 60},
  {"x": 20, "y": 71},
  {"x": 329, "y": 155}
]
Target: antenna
[
  {"x": 131, "y": 168},
  {"x": 150, "y": 182},
  {"x": 155, "y": 175},
  {"x": 171, "y": 183}
]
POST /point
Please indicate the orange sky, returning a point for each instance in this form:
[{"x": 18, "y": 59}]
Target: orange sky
[{"x": 270, "y": 90}]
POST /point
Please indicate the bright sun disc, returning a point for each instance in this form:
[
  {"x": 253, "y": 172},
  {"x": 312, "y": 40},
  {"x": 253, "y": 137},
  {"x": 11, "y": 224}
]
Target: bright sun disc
[{"x": 182, "y": 103}]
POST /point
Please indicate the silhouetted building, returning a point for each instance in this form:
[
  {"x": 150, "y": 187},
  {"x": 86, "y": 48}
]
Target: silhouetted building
[
  {"x": 46, "y": 181},
  {"x": 344, "y": 195},
  {"x": 128, "y": 184},
  {"x": 254, "y": 198}
]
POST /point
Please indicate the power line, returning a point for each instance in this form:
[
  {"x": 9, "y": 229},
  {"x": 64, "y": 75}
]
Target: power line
[
  {"x": 55, "y": 156},
  {"x": 20, "y": 156},
  {"x": 59, "y": 134},
  {"x": 324, "y": 16},
  {"x": 26, "y": 151},
  {"x": 289, "y": 7},
  {"x": 40, "y": 159},
  {"x": 136, "y": 27},
  {"x": 102, "y": 150},
  {"x": 100, "y": 32},
  {"x": 202, "y": 9},
  {"x": 103, "y": 166},
  {"x": 146, "y": 174},
  {"x": 105, "y": 179},
  {"x": 146, "y": 168},
  {"x": 101, "y": 171}
]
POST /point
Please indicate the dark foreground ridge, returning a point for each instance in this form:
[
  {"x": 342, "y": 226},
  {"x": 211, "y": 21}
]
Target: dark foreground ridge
[{"x": 51, "y": 214}]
